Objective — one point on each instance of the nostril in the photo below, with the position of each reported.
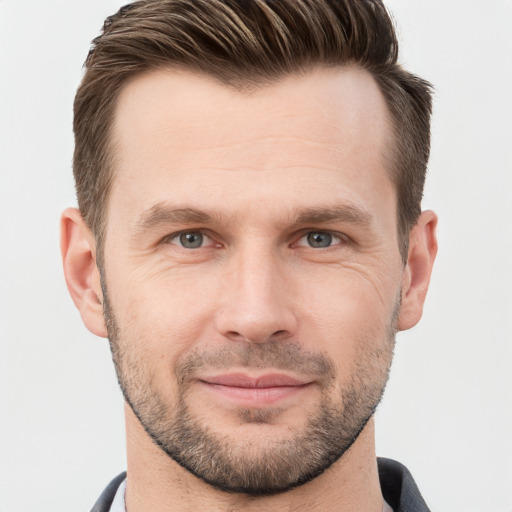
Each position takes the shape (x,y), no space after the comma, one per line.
(236,336)
(260,338)
(256,326)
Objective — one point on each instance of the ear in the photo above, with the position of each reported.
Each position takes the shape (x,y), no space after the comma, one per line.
(78,249)
(420,259)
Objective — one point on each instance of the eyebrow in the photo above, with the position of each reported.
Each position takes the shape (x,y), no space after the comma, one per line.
(347,214)
(165,214)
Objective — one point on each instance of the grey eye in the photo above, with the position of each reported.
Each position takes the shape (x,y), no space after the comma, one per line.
(191,240)
(319,239)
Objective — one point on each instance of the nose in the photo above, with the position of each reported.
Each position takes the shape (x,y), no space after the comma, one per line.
(256,303)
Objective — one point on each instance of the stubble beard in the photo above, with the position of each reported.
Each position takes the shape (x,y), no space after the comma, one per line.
(276,465)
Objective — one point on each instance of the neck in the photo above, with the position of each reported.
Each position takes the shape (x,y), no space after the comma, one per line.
(158,484)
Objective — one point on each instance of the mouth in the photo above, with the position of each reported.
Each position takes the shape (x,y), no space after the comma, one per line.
(260,391)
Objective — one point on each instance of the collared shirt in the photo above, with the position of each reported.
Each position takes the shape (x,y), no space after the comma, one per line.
(398,488)
(118,505)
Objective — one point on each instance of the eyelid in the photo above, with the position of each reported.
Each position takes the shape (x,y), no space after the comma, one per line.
(342,237)
(168,239)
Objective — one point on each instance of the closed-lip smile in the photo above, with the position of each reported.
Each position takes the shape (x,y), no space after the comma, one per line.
(255,391)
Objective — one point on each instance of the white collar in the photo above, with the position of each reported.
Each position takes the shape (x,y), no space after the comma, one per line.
(118,505)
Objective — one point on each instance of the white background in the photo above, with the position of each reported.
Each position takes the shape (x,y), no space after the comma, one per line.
(447,413)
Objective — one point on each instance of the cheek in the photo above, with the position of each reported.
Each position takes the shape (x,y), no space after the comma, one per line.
(345,314)
(168,311)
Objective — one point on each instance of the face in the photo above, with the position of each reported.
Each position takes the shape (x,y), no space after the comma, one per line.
(252,273)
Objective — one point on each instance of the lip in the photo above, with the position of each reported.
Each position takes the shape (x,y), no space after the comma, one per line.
(255,391)
(241,380)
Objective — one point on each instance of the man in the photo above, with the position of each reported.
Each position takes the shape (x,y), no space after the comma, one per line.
(250,239)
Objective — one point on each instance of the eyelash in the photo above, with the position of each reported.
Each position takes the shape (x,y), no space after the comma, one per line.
(342,238)
(169,238)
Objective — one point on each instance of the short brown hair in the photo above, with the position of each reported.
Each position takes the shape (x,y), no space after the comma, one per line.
(247,44)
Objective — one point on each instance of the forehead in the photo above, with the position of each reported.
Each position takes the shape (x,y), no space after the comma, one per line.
(178,133)
(189,107)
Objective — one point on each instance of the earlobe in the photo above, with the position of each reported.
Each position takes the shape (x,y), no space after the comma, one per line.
(78,249)
(421,256)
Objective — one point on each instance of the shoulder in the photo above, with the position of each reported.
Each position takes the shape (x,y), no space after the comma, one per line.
(399,488)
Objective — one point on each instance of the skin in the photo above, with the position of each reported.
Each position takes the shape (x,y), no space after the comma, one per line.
(256,164)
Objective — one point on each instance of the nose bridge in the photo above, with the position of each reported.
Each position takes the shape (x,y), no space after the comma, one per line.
(257,306)
(257,271)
